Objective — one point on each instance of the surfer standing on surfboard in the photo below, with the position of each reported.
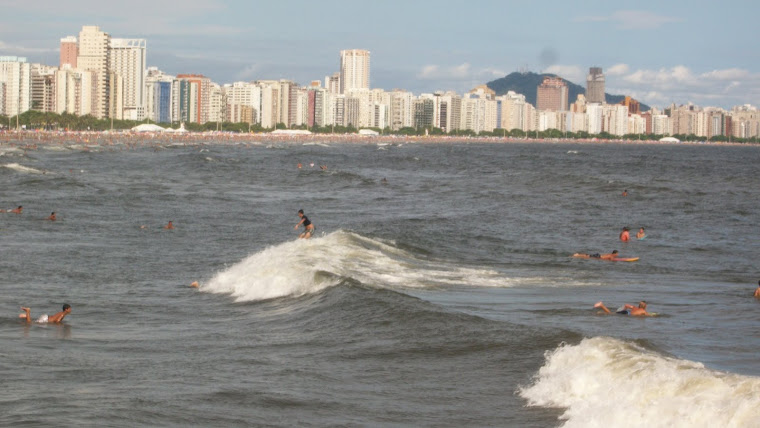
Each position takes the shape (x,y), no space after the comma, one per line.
(307,225)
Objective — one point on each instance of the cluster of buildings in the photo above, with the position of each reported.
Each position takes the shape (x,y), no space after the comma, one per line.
(108,77)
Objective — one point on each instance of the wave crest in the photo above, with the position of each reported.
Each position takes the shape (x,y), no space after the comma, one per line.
(308,266)
(21,168)
(603,382)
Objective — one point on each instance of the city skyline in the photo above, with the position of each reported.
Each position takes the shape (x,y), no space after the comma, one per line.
(671,54)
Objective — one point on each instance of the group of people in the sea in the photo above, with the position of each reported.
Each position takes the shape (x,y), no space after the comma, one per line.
(308,232)
(20,209)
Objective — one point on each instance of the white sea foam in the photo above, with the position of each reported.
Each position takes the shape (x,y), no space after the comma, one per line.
(21,168)
(605,382)
(306,266)
(11,151)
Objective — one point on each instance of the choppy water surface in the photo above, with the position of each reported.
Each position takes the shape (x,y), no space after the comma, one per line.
(443,295)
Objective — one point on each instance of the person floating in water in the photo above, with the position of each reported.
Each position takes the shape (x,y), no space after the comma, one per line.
(169,226)
(307,225)
(52,216)
(609,256)
(641,234)
(625,235)
(57,318)
(637,311)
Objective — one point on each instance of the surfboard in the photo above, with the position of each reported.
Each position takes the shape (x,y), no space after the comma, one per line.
(625,259)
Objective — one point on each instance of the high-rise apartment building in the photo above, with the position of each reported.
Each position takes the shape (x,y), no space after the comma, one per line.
(15,75)
(354,70)
(127,58)
(73,91)
(43,87)
(243,102)
(93,56)
(160,97)
(332,83)
(194,98)
(552,94)
(595,86)
(69,52)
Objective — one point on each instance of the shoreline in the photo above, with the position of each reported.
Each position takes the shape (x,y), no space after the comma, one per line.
(107,138)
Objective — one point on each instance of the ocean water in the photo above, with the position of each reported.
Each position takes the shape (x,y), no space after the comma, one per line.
(444,295)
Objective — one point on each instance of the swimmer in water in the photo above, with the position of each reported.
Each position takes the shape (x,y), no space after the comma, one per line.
(169,226)
(307,225)
(757,292)
(625,192)
(625,235)
(17,210)
(57,318)
(52,216)
(641,234)
(637,311)
(609,256)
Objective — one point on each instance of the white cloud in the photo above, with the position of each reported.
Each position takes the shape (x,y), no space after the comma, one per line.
(494,72)
(680,84)
(459,73)
(462,70)
(632,19)
(727,74)
(435,72)
(23,50)
(428,72)
(572,73)
(617,70)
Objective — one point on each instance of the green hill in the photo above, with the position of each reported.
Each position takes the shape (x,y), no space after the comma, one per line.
(527,83)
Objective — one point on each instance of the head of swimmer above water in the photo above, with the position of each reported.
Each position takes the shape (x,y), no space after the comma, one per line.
(642,304)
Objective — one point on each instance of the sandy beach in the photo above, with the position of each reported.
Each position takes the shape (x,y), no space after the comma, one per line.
(90,139)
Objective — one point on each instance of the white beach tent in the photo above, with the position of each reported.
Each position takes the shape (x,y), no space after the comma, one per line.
(148,127)
(180,130)
(291,132)
(669,140)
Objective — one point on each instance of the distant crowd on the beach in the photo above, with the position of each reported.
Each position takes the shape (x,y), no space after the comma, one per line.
(105,138)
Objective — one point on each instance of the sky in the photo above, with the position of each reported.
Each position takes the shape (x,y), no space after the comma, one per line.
(703,52)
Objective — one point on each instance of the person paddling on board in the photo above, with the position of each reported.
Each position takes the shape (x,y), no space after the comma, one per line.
(57,318)
(609,256)
(14,211)
(637,311)
(307,225)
